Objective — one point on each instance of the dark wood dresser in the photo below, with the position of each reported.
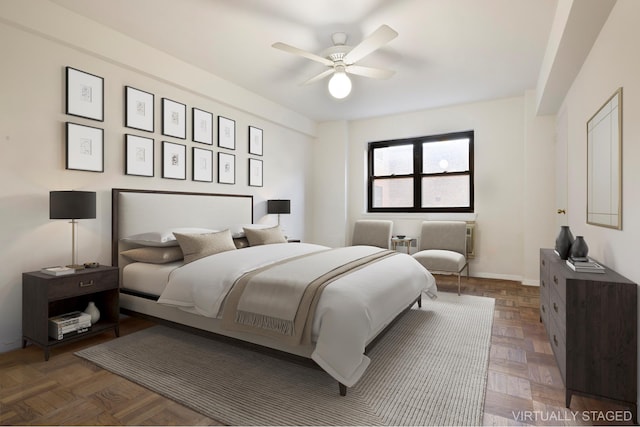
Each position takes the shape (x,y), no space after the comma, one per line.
(591,321)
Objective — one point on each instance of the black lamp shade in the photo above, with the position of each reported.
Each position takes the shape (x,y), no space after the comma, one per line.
(72,204)
(278,206)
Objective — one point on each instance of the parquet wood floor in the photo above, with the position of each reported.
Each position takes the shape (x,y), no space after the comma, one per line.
(523,386)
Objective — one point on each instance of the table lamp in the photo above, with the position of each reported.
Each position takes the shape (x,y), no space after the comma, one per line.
(278,207)
(72,205)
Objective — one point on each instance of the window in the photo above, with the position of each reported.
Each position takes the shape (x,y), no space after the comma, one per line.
(425,174)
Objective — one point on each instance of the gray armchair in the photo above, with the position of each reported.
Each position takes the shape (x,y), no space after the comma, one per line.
(443,247)
(372,232)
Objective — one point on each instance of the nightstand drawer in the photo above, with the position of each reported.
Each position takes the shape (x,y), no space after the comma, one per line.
(81,284)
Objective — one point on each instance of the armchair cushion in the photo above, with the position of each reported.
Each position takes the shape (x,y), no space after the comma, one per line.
(441,260)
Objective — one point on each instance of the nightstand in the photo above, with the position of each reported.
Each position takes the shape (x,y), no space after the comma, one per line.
(405,241)
(45,296)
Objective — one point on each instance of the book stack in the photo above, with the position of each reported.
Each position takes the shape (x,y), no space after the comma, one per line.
(584,265)
(58,270)
(68,324)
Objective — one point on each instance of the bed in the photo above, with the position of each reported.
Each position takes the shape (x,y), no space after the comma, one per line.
(358,292)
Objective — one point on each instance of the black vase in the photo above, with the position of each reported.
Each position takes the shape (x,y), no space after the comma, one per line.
(579,248)
(564,241)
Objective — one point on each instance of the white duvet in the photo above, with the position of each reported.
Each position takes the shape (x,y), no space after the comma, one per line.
(350,312)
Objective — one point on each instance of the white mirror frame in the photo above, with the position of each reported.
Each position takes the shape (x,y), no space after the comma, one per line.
(604,164)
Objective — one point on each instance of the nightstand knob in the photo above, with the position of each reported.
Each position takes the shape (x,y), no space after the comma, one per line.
(84,285)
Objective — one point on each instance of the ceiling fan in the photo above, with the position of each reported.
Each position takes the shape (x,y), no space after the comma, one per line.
(341,59)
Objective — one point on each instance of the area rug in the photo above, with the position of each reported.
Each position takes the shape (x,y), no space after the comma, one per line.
(429,369)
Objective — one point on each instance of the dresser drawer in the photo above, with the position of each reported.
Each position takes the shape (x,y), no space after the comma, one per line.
(81,284)
(558,281)
(558,313)
(559,347)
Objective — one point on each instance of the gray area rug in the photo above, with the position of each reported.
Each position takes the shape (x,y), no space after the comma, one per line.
(429,369)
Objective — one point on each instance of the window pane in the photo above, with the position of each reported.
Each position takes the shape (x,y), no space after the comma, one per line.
(445,191)
(391,193)
(395,160)
(445,156)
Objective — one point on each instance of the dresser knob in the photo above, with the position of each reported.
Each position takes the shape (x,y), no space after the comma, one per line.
(544,310)
(555,340)
(544,285)
(555,280)
(555,307)
(543,263)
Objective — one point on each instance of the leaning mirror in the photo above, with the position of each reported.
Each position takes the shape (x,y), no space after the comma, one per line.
(604,164)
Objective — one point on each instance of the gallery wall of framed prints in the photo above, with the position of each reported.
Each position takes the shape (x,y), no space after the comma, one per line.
(85,143)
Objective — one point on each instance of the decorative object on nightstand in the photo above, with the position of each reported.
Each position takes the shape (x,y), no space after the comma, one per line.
(280,206)
(93,311)
(564,241)
(579,248)
(72,205)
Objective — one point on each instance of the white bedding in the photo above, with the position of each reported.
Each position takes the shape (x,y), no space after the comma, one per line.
(351,311)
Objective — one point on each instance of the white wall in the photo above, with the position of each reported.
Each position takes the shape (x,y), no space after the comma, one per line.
(500,178)
(39,40)
(613,62)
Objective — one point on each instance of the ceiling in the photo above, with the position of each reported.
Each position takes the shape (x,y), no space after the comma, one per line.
(447,52)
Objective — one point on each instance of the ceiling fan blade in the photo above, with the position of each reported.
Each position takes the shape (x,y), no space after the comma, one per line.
(377,39)
(304,53)
(320,76)
(374,73)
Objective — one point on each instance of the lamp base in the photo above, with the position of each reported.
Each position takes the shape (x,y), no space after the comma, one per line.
(76,266)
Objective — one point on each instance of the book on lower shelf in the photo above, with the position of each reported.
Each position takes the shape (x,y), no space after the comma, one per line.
(589,266)
(58,270)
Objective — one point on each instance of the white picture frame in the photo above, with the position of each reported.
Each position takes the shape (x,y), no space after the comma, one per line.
(139,155)
(202,165)
(202,126)
(226,168)
(174,160)
(84,148)
(139,109)
(255,141)
(255,173)
(84,95)
(174,119)
(226,133)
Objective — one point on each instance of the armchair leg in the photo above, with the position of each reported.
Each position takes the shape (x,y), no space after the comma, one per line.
(458,283)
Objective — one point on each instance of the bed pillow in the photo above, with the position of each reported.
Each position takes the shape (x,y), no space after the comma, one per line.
(165,237)
(264,236)
(154,255)
(237,231)
(196,246)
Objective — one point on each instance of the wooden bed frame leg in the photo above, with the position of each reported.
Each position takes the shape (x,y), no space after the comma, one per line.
(343,389)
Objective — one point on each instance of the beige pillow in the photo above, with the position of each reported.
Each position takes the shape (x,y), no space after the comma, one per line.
(196,246)
(154,255)
(264,236)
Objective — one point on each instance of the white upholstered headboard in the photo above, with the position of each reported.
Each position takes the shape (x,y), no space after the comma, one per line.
(141,211)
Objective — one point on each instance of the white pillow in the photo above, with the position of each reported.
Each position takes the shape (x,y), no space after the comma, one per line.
(164,238)
(237,230)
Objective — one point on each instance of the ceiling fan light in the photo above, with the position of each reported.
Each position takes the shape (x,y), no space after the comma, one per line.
(339,85)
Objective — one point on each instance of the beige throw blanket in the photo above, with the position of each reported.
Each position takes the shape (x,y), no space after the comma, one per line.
(279,300)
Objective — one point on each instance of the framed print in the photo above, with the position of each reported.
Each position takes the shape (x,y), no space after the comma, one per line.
(226,133)
(202,122)
(138,109)
(139,155)
(85,95)
(255,173)
(174,116)
(255,141)
(174,160)
(226,168)
(202,165)
(85,148)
